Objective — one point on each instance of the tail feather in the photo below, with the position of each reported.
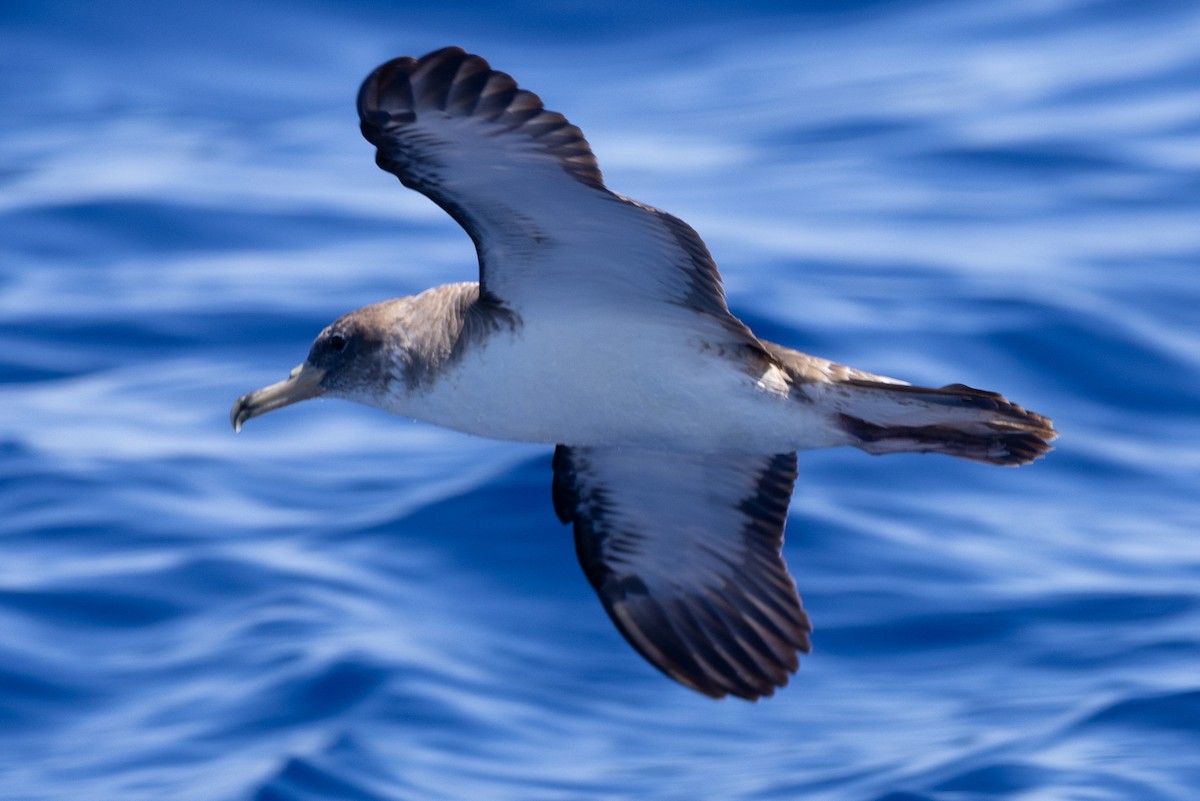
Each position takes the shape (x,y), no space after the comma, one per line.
(956,420)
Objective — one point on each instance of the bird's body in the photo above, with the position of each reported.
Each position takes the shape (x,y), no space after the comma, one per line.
(600,325)
(602,379)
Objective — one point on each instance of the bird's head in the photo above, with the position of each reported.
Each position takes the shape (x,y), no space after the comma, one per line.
(355,358)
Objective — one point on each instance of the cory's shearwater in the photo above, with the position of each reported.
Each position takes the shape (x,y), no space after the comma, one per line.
(599,324)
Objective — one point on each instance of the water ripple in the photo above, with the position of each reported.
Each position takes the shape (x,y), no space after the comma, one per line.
(339,605)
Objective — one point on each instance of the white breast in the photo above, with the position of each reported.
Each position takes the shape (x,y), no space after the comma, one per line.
(616,381)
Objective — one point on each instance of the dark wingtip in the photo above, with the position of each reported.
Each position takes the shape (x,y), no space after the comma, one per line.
(386,96)
(456,83)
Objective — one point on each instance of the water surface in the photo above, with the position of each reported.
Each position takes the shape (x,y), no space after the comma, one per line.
(341,605)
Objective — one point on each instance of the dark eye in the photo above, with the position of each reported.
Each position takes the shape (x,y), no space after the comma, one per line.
(337,342)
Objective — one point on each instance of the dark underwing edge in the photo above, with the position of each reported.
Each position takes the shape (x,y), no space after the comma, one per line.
(742,641)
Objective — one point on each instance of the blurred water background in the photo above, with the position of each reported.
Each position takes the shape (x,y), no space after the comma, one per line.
(341,605)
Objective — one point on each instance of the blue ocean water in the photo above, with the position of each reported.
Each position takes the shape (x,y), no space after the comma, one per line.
(336,604)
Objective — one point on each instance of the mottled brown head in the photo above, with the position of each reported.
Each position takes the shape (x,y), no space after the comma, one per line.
(382,354)
(356,357)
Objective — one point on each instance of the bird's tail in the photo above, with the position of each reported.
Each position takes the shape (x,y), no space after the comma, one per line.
(956,420)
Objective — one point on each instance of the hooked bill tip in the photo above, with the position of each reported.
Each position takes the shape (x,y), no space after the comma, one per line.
(304,382)
(239,414)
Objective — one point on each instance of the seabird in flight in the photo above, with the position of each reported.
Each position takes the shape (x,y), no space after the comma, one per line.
(599,325)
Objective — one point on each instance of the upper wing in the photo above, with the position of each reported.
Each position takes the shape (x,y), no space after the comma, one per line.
(524,184)
(684,552)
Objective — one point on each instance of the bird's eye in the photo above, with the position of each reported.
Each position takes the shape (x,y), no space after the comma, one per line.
(337,342)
